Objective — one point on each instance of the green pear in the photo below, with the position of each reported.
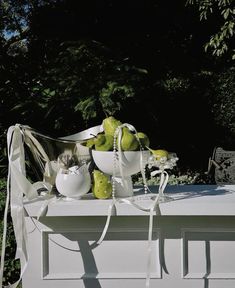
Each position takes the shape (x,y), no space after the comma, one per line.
(101,186)
(99,139)
(103,142)
(159,153)
(144,139)
(90,143)
(110,124)
(129,141)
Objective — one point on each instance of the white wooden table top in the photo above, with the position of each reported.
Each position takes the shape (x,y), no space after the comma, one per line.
(187,200)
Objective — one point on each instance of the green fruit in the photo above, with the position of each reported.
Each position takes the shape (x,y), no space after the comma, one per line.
(103,142)
(129,141)
(90,143)
(144,139)
(101,187)
(110,124)
(159,153)
(99,139)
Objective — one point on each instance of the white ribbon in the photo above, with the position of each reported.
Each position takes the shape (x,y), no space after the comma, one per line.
(151,210)
(4,234)
(163,182)
(18,186)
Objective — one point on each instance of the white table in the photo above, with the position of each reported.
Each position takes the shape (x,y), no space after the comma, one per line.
(193,242)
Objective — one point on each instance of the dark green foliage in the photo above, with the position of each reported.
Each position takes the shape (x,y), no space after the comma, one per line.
(3,153)
(84,81)
(71,63)
(221,41)
(12,267)
(222,99)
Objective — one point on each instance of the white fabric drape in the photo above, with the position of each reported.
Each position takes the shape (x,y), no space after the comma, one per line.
(18,186)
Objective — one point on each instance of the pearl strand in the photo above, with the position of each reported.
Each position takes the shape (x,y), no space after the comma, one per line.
(143,168)
(114,161)
(115,158)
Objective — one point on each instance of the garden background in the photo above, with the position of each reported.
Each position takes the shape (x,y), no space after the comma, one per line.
(166,67)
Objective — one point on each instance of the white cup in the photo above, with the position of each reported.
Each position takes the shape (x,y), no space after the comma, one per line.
(73,185)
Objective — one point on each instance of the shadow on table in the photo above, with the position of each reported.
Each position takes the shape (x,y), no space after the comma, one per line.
(180,192)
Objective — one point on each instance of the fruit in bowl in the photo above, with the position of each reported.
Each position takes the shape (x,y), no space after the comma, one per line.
(110,124)
(121,166)
(130,140)
(127,161)
(103,142)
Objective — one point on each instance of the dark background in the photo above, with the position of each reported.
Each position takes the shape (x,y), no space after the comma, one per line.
(179,88)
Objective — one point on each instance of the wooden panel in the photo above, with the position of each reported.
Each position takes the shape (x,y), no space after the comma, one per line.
(74,255)
(208,253)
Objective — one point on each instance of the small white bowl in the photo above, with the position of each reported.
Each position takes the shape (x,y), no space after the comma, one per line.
(131,164)
(73,185)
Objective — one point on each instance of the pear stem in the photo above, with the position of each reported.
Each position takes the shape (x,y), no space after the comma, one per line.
(149,149)
(93,135)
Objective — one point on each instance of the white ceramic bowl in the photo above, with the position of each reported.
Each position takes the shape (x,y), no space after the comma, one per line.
(104,160)
(73,185)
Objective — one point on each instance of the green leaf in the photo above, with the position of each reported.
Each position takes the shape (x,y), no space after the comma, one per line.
(87,107)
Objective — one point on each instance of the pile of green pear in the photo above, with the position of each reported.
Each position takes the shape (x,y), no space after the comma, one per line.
(129,142)
(101,182)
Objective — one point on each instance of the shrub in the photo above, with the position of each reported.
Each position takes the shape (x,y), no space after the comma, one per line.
(222,102)
(12,266)
(177,177)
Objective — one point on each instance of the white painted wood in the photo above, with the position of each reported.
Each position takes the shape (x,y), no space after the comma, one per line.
(193,242)
(109,262)
(188,200)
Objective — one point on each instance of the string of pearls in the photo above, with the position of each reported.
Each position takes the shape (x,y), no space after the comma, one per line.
(115,158)
(117,145)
